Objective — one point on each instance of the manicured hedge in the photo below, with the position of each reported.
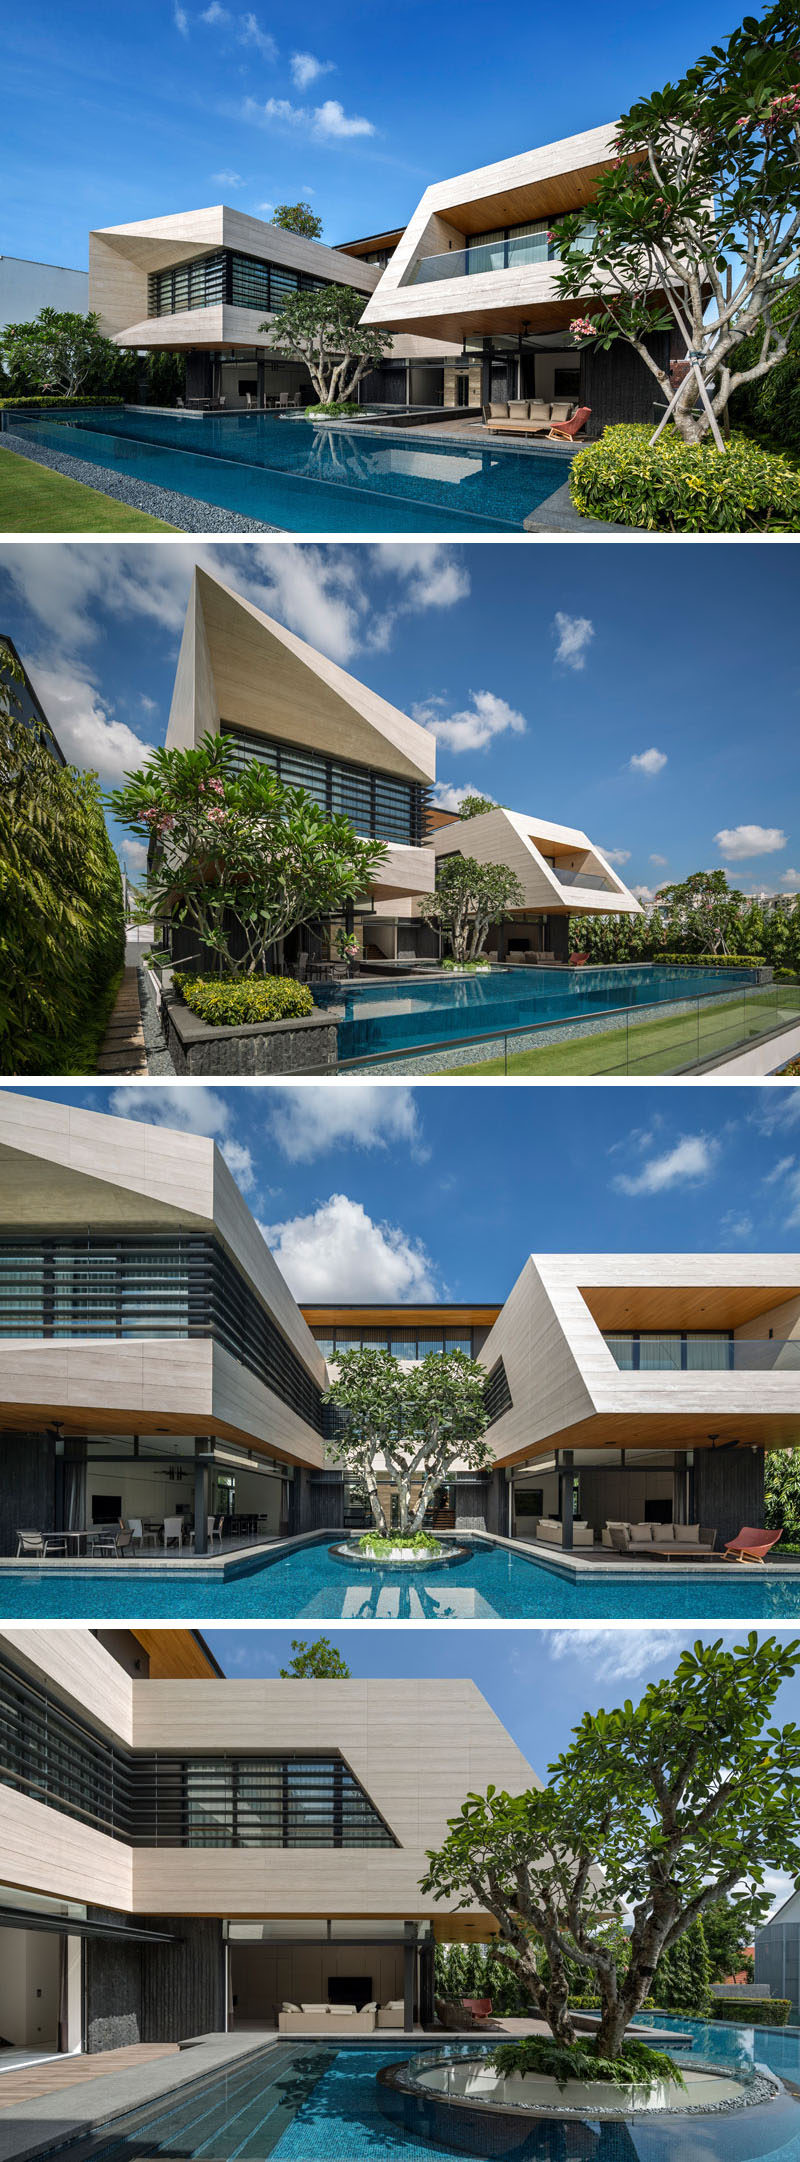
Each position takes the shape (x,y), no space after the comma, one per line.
(714,960)
(228,1002)
(9,404)
(675,487)
(753,2011)
(62,928)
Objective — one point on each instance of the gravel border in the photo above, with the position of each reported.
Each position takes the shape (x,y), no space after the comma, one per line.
(158,1058)
(183,511)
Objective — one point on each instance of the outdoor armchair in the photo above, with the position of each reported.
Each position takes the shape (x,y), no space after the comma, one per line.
(30,1543)
(564,430)
(751,1544)
(173,1531)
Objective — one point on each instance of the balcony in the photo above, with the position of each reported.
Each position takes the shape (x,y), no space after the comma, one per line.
(486,256)
(591,879)
(705,1354)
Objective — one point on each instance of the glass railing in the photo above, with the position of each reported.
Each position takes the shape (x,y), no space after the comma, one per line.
(582,878)
(707,1354)
(489,255)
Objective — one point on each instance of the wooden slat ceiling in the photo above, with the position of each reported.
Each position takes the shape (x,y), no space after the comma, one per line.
(682,1430)
(78,1420)
(176,1655)
(379,1317)
(551,196)
(692,1307)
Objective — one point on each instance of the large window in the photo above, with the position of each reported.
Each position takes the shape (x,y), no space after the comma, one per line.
(409,1343)
(293,1799)
(242,281)
(379,805)
(151,1284)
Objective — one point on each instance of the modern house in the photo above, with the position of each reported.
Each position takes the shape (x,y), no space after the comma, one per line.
(26,706)
(476,266)
(202,282)
(154,1363)
(183,1854)
(318,728)
(562,874)
(777,1957)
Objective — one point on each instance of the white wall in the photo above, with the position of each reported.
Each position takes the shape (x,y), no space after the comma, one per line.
(29,1970)
(25,288)
(146,1489)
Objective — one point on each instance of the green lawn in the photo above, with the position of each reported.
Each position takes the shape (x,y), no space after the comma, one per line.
(660,1046)
(33,499)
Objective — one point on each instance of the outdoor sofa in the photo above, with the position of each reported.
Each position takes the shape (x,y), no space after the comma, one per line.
(327,2019)
(533,416)
(550,1531)
(671,1542)
(391,2014)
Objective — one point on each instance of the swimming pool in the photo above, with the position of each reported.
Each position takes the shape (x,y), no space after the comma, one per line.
(389,1017)
(493,1584)
(317,2103)
(288,473)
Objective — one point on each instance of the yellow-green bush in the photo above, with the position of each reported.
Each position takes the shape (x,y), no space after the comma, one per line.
(675,487)
(228,1002)
(713,960)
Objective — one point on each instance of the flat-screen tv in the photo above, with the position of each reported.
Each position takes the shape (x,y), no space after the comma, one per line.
(106,1508)
(351,1989)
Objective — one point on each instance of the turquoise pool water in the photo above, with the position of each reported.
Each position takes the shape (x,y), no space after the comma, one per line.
(384,1017)
(288,473)
(493,1584)
(729,2045)
(309,2103)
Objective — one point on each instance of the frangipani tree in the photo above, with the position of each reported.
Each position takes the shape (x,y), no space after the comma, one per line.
(697,226)
(658,1810)
(417,1423)
(469,897)
(231,844)
(325,331)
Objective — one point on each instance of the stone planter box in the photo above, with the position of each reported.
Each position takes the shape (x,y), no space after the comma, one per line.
(258,1047)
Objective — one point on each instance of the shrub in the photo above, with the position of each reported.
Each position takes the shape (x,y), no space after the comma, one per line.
(9,404)
(334,406)
(751,2011)
(675,487)
(714,960)
(62,943)
(376,1542)
(466,968)
(770,408)
(636,2066)
(228,1002)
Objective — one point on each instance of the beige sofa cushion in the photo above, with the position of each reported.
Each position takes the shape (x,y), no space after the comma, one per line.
(686,1534)
(537,410)
(641,1532)
(497,409)
(518,408)
(562,409)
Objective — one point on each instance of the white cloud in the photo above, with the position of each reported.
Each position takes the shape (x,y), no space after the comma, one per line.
(688,1163)
(307,1122)
(660,862)
(328,122)
(736,1224)
(190,1111)
(617,855)
(228,180)
(779,1171)
(739,842)
(473,727)
(429,573)
(86,730)
(134,854)
(148,705)
(181,20)
(624,1655)
(574,636)
(305,69)
(447,797)
(215,14)
(790,878)
(251,33)
(338,1245)
(644,894)
(647,762)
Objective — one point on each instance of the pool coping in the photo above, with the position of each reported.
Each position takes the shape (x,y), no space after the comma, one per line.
(45,2114)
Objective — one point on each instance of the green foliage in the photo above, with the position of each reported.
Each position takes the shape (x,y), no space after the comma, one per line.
(714,960)
(662,1809)
(315,1660)
(420,1421)
(676,487)
(384,1545)
(682,1980)
(297,218)
(469,897)
(782,1493)
(166,377)
(770,408)
(325,331)
(635,2066)
(58,354)
(53,403)
(239,848)
(232,1002)
(62,941)
(337,407)
(754,2011)
(700,921)
(701,208)
(726,1943)
(465,968)
(474,806)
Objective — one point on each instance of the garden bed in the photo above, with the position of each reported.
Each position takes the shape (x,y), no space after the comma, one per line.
(306,1043)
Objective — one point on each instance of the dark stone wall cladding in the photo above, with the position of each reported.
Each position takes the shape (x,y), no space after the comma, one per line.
(728,1490)
(277,1049)
(27,1486)
(157,1992)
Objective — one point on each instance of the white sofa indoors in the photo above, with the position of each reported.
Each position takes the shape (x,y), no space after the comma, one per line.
(641,1539)
(551,1532)
(327,2019)
(391,2014)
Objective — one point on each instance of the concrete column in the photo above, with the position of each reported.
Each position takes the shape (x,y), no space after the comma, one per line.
(203,1449)
(566,1475)
(409,1974)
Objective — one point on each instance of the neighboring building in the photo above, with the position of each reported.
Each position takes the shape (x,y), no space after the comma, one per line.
(25,705)
(476,265)
(561,871)
(202,282)
(183,1853)
(777,1954)
(26,288)
(280,701)
(156,1364)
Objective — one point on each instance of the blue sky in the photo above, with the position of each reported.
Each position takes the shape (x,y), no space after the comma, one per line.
(113,113)
(381,1191)
(629,691)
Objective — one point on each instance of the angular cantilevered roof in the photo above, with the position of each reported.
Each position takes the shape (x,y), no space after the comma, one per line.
(238,665)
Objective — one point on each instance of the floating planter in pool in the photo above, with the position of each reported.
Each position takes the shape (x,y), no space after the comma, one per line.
(465,2104)
(398,1557)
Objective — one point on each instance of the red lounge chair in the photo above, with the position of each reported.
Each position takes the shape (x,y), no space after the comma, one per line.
(575,426)
(752,1544)
(480,2007)
(578,960)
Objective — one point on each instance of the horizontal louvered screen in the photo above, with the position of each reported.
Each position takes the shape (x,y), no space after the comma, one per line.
(241,281)
(380,805)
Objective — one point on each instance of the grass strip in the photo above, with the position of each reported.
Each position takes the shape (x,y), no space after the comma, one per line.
(35,499)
